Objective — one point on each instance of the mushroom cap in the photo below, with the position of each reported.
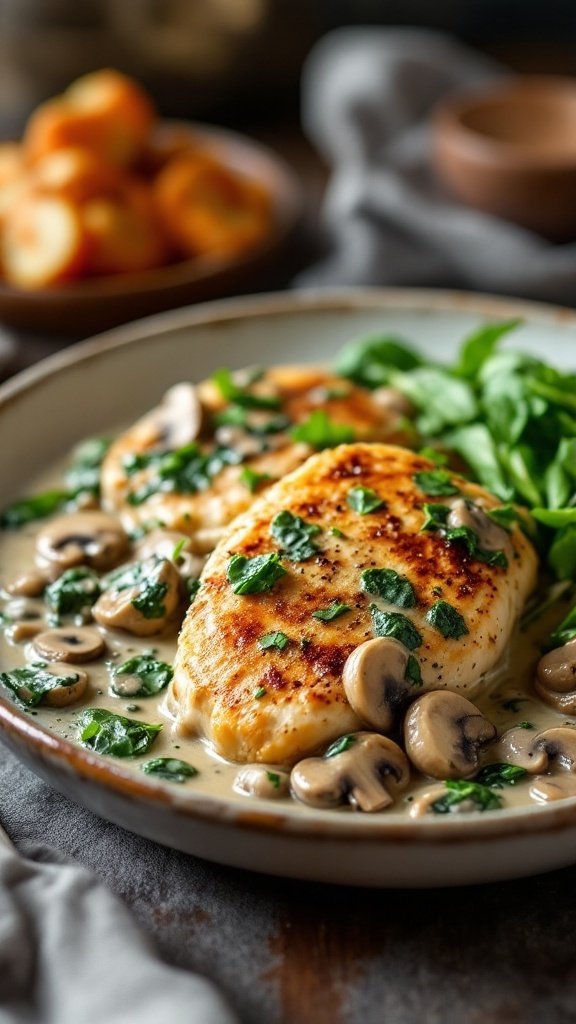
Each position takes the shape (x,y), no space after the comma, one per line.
(70,644)
(444,734)
(81,538)
(267,783)
(61,696)
(115,608)
(176,421)
(374,681)
(162,543)
(555,679)
(550,749)
(368,775)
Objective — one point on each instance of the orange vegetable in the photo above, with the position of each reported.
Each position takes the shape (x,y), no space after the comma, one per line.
(43,242)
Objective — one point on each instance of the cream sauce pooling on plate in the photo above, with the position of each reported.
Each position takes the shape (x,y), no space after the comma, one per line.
(509,699)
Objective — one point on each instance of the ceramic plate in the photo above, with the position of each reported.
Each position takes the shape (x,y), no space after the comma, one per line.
(119,375)
(95,304)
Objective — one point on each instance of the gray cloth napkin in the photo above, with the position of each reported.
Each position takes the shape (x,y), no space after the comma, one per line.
(367,97)
(71,954)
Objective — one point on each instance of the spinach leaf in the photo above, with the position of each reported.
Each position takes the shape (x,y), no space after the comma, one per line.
(477,447)
(555,517)
(447,620)
(499,775)
(144,578)
(436,482)
(83,475)
(170,769)
(231,392)
(185,470)
(395,625)
(369,360)
(459,790)
(340,745)
(36,507)
(436,521)
(107,733)
(31,684)
(364,500)
(564,632)
(294,535)
(562,553)
(151,674)
(252,480)
(441,399)
(276,639)
(74,592)
(254,575)
(413,673)
(390,586)
(319,431)
(333,611)
(479,346)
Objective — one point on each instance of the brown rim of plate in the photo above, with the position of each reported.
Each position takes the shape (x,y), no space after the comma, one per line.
(62,754)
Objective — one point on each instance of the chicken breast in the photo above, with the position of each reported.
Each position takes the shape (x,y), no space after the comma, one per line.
(232,441)
(275,700)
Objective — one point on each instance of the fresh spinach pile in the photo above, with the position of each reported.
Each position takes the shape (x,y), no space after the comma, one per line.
(509,415)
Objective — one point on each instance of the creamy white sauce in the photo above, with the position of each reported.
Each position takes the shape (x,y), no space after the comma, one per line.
(511,682)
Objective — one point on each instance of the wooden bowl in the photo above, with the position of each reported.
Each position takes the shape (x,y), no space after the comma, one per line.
(511,151)
(98,303)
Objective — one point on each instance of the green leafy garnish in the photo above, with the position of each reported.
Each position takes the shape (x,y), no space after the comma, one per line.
(178,549)
(260,692)
(31,684)
(28,509)
(333,611)
(275,639)
(74,592)
(336,532)
(447,620)
(499,775)
(319,431)
(152,674)
(436,520)
(395,625)
(390,586)
(253,480)
(504,515)
(294,535)
(144,578)
(413,673)
(370,361)
(564,632)
(83,475)
(170,769)
(438,458)
(185,470)
(459,790)
(436,482)
(526,725)
(364,500)
(232,392)
(192,584)
(340,745)
(479,346)
(107,733)
(254,575)
(274,778)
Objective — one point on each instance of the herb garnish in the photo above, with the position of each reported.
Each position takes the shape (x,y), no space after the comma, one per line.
(171,769)
(274,778)
(74,592)
(364,500)
(413,672)
(371,361)
(499,775)
(336,532)
(107,733)
(252,480)
(276,639)
(436,521)
(154,675)
(460,790)
(144,578)
(232,392)
(333,611)
(447,620)
(319,431)
(28,509)
(435,482)
(32,683)
(254,575)
(294,535)
(390,586)
(83,475)
(395,625)
(185,470)
(260,692)
(340,745)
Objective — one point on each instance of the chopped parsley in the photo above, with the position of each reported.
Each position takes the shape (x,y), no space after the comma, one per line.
(364,500)
(254,575)
(526,725)
(294,535)
(185,470)
(83,475)
(144,578)
(192,584)
(232,392)
(413,673)
(504,515)
(436,520)
(336,532)
(31,684)
(319,431)
(252,480)
(340,745)
(260,692)
(274,778)
(333,611)
(390,586)
(447,620)
(170,769)
(153,675)
(459,790)
(435,482)
(499,775)
(276,639)
(178,549)
(107,733)
(28,509)
(74,592)
(395,625)
(438,458)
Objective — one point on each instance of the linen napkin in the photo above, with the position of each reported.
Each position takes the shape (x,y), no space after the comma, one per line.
(367,98)
(71,954)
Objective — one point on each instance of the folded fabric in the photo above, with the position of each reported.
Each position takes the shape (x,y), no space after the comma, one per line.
(71,954)
(367,97)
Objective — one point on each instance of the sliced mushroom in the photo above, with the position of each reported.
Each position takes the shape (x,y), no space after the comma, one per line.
(544,789)
(29,583)
(204,541)
(368,775)
(552,749)
(267,783)
(423,804)
(82,538)
(26,619)
(247,445)
(61,696)
(118,608)
(163,543)
(444,735)
(73,643)
(177,420)
(555,679)
(491,537)
(375,684)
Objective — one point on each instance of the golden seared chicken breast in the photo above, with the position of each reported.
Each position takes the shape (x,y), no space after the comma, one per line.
(362,541)
(199,459)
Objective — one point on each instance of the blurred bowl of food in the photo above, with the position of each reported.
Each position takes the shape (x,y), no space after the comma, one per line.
(510,150)
(108,214)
